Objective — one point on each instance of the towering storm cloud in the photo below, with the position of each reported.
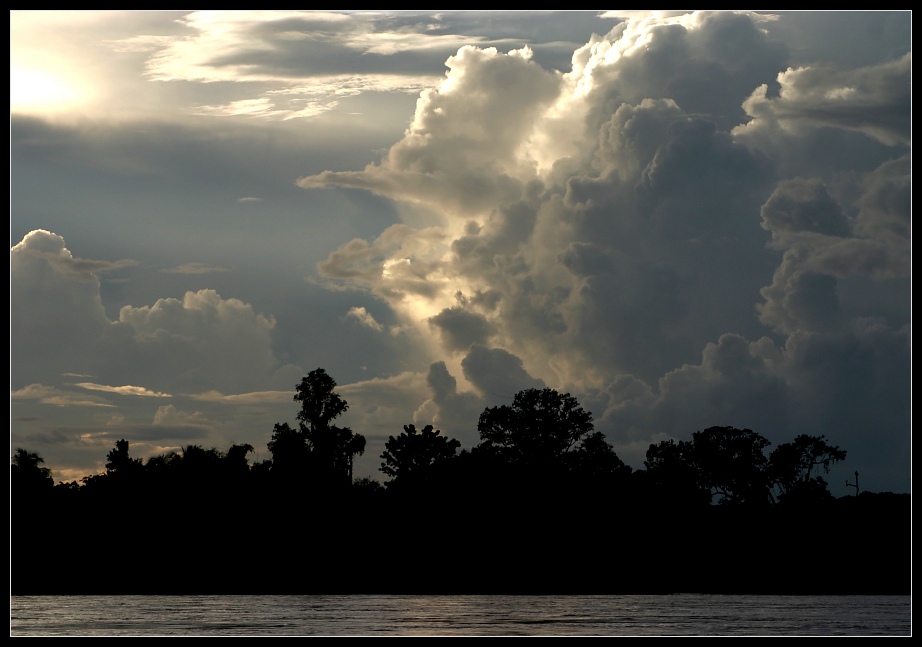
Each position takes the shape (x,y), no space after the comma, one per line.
(680,227)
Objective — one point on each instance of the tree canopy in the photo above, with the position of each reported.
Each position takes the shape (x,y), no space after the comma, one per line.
(537,429)
(412,458)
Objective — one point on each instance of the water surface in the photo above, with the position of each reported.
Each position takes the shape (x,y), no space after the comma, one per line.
(407,615)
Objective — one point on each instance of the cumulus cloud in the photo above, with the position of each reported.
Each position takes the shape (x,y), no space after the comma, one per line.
(202,335)
(196,344)
(497,372)
(873,100)
(460,328)
(475,123)
(637,229)
(453,412)
(169,416)
(55,309)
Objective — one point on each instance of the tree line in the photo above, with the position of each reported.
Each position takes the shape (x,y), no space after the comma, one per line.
(543,440)
(540,479)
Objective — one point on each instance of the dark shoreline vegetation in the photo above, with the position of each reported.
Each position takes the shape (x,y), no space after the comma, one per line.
(542,505)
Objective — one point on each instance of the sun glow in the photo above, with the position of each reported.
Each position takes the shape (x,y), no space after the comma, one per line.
(38,91)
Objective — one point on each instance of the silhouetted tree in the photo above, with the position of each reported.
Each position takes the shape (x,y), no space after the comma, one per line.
(119,462)
(323,452)
(544,447)
(27,474)
(121,466)
(289,450)
(732,463)
(672,475)
(320,404)
(596,463)
(791,468)
(727,463)
(202,469)
(237,456)
(412,458)
(538,428)
(368,485)
(333,449)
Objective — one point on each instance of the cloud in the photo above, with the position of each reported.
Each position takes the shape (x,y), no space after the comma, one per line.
(57,397)
(497,372)
(364,317)
(822,245)
(460,328)
(300,59)
(259,397)
(175,345)
(639,231)
(400,266)
(56,314)
(463,150)
(219,45)
(123,390)
(169,416)
(194,268)
(453,412)
(874,100)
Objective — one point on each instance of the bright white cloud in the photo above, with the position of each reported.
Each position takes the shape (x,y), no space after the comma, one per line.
(464,150)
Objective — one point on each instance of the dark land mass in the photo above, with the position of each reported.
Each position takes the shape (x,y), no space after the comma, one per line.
(542,505)
(174,546)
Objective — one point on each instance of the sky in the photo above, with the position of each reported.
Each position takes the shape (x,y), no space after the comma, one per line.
(684,220)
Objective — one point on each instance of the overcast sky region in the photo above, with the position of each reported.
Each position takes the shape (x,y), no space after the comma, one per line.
(684,220)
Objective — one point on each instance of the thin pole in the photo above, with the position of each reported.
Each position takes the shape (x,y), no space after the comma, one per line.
(855,484)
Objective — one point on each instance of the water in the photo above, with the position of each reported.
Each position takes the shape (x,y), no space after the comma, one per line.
(472,615)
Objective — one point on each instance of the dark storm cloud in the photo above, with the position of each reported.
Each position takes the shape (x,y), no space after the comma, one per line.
(804,205)
(497,372)
(460,328)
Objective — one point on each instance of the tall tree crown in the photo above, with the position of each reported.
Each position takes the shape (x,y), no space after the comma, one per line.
(319,403)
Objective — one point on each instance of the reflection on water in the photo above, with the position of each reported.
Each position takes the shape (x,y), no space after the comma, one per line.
(393,615)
